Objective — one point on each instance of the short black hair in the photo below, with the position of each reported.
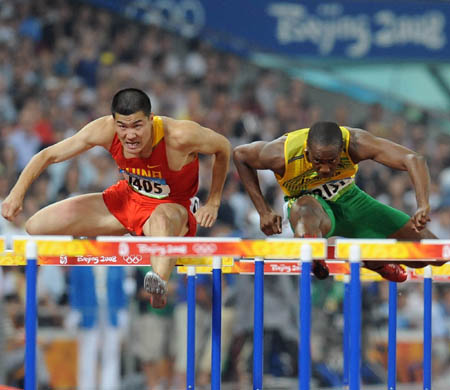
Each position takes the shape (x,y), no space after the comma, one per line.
(325,134)
(129,101)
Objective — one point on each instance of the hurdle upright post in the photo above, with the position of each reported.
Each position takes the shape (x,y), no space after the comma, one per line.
(305,318)
(216,323)
(30,315)
(190,369)
(258,324)
(427,302)
(355,318)
(346,331)
(392,337)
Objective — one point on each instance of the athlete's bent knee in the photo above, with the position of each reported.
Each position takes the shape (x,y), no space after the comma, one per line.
(161,223)
(303,210)
(167,220)
(32,226)
(308,218)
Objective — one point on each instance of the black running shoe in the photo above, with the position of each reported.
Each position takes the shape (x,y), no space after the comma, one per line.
(320,269)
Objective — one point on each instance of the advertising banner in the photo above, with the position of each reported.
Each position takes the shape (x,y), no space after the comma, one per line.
(347,29)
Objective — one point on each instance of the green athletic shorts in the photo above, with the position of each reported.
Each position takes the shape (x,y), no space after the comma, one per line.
(356,214)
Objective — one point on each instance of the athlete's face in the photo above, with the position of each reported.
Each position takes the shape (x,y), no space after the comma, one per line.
(134,132)
(324,159)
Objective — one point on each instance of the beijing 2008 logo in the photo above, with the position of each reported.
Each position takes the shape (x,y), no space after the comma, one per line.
(124,249)
(63,260)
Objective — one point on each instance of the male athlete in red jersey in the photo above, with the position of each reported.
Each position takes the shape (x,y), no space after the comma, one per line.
(158,157)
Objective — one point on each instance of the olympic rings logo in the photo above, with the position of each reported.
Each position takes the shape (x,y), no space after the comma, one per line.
(132,259)
(185,16)
(205,248)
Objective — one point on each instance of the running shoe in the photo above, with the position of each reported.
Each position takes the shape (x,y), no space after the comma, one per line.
(320,269)
(157,288)
(392,272)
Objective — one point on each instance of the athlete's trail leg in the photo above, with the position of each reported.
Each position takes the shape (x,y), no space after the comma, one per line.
(84,215)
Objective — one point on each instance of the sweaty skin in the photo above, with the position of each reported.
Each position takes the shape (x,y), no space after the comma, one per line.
(87,215)
(325,159)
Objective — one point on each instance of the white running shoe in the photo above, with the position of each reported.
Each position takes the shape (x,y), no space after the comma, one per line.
(157,288)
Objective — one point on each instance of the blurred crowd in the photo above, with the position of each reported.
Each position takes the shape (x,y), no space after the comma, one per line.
(61,62)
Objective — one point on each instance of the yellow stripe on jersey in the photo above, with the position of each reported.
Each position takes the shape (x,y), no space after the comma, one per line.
(299,175)
(158,130)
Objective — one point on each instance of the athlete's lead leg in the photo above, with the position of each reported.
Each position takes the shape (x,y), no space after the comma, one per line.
(309,219)
(168,220)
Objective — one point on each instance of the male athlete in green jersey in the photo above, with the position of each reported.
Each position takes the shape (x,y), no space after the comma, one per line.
(315,167)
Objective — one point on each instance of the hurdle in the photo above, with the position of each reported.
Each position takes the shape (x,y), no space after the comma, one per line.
(393,250)
(64,250)
(427,250)
(259,249)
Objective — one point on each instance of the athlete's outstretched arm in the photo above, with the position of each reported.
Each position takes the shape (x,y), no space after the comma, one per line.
(199,139)
(91,135)
(365,146)
(248,159)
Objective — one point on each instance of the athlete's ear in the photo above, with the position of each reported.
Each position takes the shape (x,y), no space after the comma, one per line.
(307,155)
(151,116)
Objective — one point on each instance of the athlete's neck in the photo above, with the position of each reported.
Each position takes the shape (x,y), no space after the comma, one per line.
(147,150)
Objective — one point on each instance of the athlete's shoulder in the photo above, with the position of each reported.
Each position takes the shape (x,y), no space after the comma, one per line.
(174,128)
(278,142)
(356,135)
(99,132)
(181,132)
(354,131)
(176,124)
(361,143)
(105,122)
(297,132)
(272,153)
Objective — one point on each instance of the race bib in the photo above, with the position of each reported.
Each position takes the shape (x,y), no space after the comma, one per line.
(148,186)
(331,190)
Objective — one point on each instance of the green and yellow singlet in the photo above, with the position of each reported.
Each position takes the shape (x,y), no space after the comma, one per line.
(299,176)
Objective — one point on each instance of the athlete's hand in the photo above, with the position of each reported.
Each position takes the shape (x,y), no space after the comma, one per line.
(420,218)
(206,215)
(270,223)
(11,206)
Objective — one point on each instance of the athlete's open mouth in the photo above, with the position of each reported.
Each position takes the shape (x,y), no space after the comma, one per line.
(132,145)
